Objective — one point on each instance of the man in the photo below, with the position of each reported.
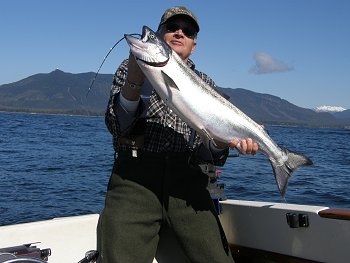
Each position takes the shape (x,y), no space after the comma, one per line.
(156,178)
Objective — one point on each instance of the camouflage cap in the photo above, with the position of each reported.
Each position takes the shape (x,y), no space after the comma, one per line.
(178,10)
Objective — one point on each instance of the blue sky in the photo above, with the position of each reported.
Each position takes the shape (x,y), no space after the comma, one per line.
(298,50)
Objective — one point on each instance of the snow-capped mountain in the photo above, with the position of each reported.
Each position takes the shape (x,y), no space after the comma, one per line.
(329,109)
(339,113)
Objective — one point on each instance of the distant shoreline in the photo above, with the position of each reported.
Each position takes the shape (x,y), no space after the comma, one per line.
(281,124)
(52,113)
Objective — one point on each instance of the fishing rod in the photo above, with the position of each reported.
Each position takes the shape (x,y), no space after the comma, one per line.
(103,61)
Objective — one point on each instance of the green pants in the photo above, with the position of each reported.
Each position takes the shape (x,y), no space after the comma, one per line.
(148,192)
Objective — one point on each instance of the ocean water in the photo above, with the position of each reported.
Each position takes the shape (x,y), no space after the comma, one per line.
(55,165)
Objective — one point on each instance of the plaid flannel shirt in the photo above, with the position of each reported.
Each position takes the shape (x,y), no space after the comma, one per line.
(164,131)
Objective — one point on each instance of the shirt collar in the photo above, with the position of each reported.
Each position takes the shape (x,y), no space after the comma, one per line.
(191,64)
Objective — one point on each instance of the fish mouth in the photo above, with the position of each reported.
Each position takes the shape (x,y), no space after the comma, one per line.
(138,48)
(154,64)
(149,48)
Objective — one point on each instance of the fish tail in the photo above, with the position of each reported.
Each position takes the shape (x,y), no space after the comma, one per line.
(284,171)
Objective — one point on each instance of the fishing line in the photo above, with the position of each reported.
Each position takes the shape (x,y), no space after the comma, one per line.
(104,59)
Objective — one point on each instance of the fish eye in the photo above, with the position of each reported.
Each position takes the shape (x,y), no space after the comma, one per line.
(152,36)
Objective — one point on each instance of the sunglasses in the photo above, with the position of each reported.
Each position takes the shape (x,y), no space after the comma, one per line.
(189,32)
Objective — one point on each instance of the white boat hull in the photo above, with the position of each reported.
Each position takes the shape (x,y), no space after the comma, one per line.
(258,228)
(263,227)
(68,237)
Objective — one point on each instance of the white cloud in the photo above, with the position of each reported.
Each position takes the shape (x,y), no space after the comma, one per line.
(264,64)
(330,109)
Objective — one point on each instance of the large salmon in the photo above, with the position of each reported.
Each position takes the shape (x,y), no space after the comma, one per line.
(202,108)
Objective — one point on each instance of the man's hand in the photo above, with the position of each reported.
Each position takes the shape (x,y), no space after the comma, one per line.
(245,146)
(135,74)
(135,77)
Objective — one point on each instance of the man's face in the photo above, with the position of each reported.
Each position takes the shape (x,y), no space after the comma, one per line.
(180,35)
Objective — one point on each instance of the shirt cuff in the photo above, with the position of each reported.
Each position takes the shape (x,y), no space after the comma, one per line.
(128,105)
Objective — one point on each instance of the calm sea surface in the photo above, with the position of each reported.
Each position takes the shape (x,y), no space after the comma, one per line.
(54,165)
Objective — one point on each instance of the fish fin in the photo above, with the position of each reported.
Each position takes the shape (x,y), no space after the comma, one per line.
(284,171)
(207,135)
(169,81)
(207,138)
